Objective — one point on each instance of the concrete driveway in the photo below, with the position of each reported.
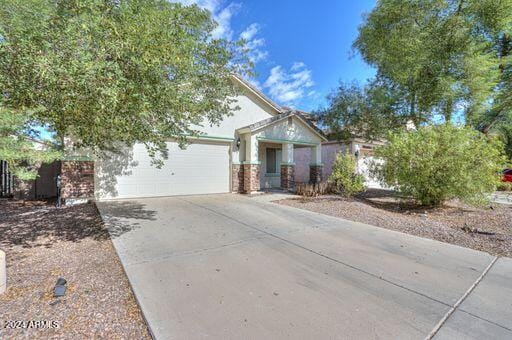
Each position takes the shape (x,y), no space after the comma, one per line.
(236,267)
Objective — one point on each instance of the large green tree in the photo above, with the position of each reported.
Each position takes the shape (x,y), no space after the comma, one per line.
(368,111)
(105,71)
(443,53)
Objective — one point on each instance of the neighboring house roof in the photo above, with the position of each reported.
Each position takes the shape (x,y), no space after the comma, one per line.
(282,116)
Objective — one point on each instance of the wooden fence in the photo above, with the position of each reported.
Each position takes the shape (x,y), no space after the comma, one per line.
(6,180)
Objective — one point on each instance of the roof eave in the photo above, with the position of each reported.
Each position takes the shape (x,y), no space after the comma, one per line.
(282,117)
(258,93)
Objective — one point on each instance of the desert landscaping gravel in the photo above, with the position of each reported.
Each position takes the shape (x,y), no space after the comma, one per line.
(487,229)
(43,243)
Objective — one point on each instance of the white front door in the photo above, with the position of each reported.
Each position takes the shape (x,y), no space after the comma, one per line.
(201,168)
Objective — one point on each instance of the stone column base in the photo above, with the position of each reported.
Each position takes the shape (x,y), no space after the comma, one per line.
(77,181)
(287,176)
(251,178)
(237,178)
(315,173)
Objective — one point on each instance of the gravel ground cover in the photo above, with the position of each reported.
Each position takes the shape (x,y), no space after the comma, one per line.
(43,243)
(487,229)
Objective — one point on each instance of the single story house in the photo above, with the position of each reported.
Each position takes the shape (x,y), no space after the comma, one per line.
(250,150)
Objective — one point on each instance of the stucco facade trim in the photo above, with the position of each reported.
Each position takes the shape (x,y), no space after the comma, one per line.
(211,137)
(278,140)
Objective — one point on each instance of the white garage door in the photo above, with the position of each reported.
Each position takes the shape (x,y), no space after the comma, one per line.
(199,169)
(363,166)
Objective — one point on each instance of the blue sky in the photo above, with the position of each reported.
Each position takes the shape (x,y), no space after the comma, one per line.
(302,49)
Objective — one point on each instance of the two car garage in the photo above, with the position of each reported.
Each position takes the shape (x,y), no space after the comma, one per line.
(202,168)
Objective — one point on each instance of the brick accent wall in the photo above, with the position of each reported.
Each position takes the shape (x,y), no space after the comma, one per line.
(287,176)
(251,178)
(77,179)
(237,177)
(315,173)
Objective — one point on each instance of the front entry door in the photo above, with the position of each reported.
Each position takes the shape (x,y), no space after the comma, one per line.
(271,169)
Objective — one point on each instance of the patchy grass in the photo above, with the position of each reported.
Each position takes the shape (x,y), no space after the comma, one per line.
(488,229)
(43,243)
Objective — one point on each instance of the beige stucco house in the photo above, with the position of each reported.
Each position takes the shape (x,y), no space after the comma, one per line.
(250,150)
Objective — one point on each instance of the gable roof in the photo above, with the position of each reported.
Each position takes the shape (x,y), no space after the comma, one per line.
(282,112)
(253,89)
(290,113)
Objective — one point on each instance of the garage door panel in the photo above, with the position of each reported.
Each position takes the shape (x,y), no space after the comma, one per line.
(199,169)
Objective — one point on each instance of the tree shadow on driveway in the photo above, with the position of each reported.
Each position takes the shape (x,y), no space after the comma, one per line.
(41,224)
(121,217)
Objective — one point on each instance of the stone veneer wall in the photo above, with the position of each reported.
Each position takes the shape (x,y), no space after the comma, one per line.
(251,178)
(287,176)
(315,173)
(77,179)
(302,160)
(237,177)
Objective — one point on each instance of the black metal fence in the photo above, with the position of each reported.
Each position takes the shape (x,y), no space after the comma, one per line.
(6,180)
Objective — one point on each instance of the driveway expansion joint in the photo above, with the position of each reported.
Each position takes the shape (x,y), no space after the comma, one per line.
(461,300)
(379,277)
(484,319)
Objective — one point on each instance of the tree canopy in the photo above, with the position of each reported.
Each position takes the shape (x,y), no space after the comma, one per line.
(444,53)
(435,60)
(368,111)
(106,71)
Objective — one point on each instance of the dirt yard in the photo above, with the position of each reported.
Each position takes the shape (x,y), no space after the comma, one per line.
(43,243)
(487,229)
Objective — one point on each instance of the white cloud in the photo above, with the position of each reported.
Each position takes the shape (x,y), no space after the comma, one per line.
(289,87)
(297,65)
(222,13)
(250,31)
(254,44)
(223,18)
(254,82)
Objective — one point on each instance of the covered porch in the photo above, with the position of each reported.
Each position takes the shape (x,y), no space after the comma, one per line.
(264,158)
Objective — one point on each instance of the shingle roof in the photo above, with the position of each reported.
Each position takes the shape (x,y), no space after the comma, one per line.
(305,114)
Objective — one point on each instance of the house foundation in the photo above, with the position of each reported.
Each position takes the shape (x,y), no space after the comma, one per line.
(287,176)
(251,178)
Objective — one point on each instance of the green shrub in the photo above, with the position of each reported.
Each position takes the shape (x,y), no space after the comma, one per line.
(344,178)
(505,186)
(438,163)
